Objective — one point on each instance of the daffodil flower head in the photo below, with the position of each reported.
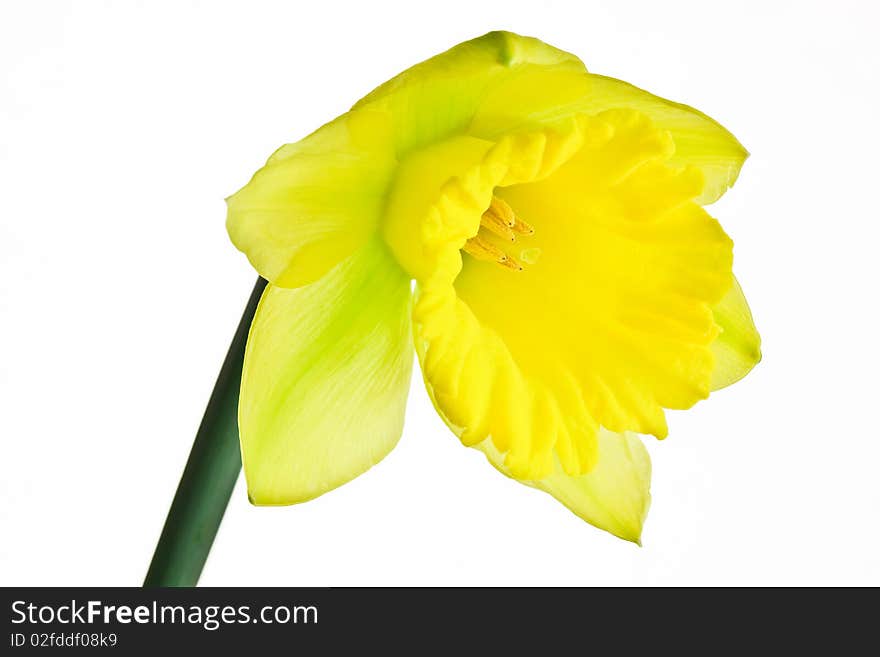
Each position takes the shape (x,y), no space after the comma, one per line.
(569,284)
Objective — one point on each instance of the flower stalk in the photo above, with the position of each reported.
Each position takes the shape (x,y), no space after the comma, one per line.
(209,476)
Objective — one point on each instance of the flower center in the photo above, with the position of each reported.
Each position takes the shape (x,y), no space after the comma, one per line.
(498,221)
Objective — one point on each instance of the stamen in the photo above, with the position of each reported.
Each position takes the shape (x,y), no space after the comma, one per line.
(503,211)
(497,225)
(483,250)
(522,228)
(499,220)
(511,263)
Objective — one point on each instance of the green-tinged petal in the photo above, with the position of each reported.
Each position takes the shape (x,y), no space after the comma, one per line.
(614,496)
(700,141)
(482,87)
(502,83)
(737,349)
(316,201)
(325,380)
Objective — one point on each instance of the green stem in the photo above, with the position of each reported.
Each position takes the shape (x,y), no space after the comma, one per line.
(209,476)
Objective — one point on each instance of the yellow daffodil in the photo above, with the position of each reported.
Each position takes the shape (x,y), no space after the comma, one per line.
(569,285)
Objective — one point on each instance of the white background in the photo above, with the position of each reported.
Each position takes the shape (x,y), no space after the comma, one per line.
(124,125)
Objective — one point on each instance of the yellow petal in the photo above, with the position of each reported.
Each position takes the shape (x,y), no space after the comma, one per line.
(502,83)
(325,380)
(737,348)
(608,326)
(700,141)
(440,193)
(615,495)
(450,93)
(316,201)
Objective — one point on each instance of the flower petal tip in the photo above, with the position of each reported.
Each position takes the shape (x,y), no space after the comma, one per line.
(505,45)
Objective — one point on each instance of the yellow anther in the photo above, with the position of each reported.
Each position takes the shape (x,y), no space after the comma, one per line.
(483,250)
(512,263)
(497,225)
(522,228)
(499,220)
(503,211)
